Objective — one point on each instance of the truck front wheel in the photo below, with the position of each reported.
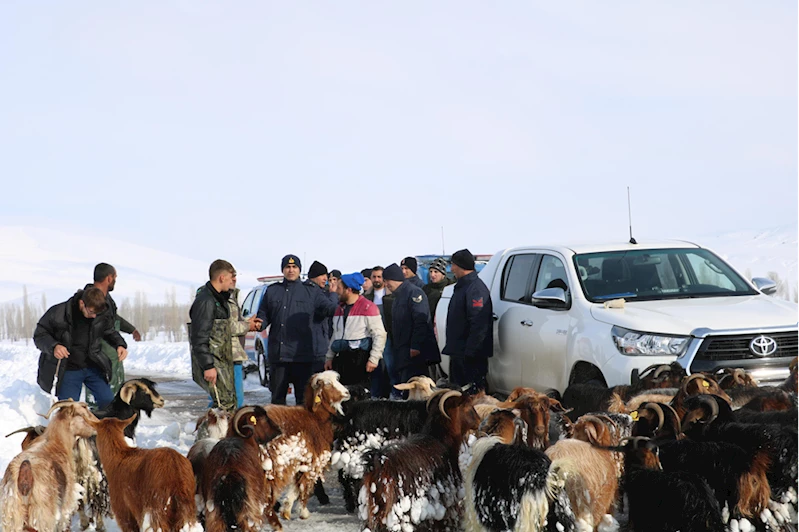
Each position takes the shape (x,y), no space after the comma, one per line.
(585,373)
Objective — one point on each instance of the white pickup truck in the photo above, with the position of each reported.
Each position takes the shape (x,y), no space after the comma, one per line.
(603,313)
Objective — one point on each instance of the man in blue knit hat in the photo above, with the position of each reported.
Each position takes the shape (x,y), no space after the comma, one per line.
(289,307)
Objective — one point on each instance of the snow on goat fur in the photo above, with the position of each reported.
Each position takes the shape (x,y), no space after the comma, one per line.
(39,488)
(300,456)
(515,487)
(417,483)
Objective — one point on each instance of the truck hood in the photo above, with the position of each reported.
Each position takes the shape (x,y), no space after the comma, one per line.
(682,316)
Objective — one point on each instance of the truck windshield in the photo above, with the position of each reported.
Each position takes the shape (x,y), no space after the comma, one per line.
(650,274)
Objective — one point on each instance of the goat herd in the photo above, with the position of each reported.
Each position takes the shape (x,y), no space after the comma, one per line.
(670,452)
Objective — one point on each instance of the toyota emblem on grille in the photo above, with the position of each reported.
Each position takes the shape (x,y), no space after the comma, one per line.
(763,346)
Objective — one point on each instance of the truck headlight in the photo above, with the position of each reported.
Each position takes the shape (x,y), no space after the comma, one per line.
(633,343)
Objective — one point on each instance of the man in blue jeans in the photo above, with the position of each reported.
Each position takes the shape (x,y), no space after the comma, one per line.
(68,336)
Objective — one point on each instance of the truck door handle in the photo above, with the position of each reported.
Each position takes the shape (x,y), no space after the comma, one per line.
(527,323)
(495,317)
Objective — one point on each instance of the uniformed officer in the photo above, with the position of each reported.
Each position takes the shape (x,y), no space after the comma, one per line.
(290,307)
(470,328)
(414,344)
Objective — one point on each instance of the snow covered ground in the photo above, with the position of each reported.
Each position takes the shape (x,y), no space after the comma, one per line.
(21,401)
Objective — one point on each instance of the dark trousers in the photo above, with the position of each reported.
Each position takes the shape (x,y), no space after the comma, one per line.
(417,368)
(381,384)
(73,380)
(468,370)
(281,374)
(351,367)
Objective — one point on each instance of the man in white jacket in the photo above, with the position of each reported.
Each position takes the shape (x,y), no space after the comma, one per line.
(358,338)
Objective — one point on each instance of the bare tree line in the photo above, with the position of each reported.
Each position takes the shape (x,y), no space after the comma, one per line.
(153,320)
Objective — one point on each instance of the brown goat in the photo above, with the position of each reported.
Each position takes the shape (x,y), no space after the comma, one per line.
(31,434)
(300,456)
(38,486)
(505,424)
(534,408)
(595,488)
(233,482)
(163,497)
(730,378)
(696,384)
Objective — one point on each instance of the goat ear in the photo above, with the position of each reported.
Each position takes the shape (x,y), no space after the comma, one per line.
(127,392)
(555,406)
(403,386)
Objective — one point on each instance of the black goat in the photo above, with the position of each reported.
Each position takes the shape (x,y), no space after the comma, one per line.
(585,398)
(135,396)
(369,425)
(665,501)
(710,418)
(509,483)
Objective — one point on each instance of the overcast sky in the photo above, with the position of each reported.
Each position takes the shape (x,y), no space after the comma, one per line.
(351,132)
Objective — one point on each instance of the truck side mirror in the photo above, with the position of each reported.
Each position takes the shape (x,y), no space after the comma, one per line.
(765,285)
(554,298)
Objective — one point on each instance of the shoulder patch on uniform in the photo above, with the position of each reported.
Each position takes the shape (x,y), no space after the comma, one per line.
(477,303)
(417,299)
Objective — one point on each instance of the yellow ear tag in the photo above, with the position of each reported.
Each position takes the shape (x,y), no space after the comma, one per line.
(705,384)
(253,420)
(317,399)
(634,415)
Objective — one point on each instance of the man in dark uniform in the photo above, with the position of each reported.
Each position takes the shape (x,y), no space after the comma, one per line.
(290,308)
(322,325)
(470,327)
(413,341)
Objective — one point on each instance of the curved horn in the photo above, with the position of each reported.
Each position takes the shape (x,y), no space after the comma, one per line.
(739,376)
(690,378)
(635,440)
(435,394)
(674,413)
(58,405)
(446,395)
(659,412)
(660,370)
(242,412)
(38,429)
(714,410)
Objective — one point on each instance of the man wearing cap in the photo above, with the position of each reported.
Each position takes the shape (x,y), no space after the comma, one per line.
(438,281)
(413,342)
(290,308)
(470,328)
(322,325)
(409,268)
(358,334)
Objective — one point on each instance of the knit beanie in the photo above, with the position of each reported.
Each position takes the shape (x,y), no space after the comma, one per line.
(464,259)
(353,281)
(290,259)
(410,263)
(440,265)
(317,269)
(335,273)
(367,273)
(393,273)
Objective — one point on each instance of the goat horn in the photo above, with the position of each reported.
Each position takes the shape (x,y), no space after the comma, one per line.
(690,379)
(659,412)
(446,395)
(58,405)
(242,412)
(660,370)
(674,412)
(739,376)
(38,429)
(435,394)
(414,379)
(714,409)
(635,440)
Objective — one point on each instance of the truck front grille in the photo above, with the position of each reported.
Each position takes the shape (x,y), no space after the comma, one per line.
(736,347)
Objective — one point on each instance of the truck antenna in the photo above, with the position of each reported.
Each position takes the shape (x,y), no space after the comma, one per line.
(443,249)
(630,216)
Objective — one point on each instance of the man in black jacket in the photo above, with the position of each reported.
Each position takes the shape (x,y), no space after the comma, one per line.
(322,325)
(210,336)
(69,336)
(413,341)
(470,327)
(290,307)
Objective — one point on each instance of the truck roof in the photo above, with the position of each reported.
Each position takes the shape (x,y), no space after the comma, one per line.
(569,249)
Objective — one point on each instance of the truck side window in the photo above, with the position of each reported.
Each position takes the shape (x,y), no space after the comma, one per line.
(246,307)
(516,278)
(551,274)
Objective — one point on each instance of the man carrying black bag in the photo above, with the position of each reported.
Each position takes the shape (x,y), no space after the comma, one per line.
(358,337)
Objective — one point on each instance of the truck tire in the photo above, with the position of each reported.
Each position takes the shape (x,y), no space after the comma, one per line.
(263,368)
(585,373)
